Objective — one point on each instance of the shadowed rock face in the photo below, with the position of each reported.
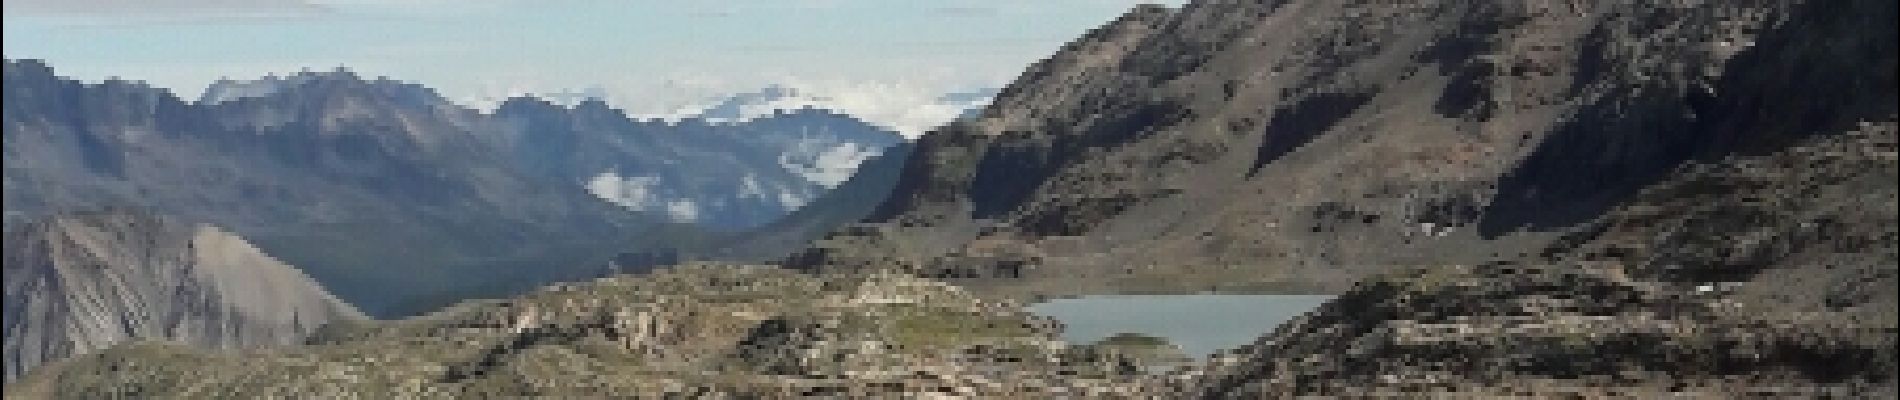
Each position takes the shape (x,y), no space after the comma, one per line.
(1305,144)
(83,282)
(1756,276)
(1771,272)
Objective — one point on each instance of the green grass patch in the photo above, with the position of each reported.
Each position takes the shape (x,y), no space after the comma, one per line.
(923,328)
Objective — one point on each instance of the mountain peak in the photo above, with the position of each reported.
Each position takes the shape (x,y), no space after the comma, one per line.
(27,66)
(898,107)
(340,80)
(525,105)
(596,107)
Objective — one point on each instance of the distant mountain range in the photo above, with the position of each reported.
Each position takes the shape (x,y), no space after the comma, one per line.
(393,196)
(903,108)
(722,176)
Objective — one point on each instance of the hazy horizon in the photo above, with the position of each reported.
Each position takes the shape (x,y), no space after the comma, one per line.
(646,57)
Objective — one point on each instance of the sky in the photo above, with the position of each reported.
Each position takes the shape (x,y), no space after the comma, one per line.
(646,56)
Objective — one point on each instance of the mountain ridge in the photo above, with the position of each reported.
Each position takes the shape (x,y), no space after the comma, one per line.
(394,196)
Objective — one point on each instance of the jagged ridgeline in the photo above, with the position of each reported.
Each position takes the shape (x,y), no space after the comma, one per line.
(400,201)
(1536,199)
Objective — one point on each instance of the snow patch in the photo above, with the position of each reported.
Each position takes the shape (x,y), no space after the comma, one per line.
(631,192)
(910,110)
(787,199)
(825,163)
(749,188)
(791,201)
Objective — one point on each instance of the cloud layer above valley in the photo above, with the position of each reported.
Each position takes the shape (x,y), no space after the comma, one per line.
(887,62)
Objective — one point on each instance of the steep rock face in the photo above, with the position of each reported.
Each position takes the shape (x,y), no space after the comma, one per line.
(1768,273)
(1304,144)
(687,332)
(83,282)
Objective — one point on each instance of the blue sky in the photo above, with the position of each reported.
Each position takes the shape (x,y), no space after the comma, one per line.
(648,55)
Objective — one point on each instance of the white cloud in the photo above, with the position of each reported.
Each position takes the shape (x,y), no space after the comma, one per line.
(642,193)
(825,163)
(430,8)
(164,8)
(634,192)
(682,210)
(148,12)
(909,106)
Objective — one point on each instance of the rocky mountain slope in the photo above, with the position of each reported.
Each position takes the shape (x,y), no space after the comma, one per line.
(80,283)
(1762,276)
(397,199)
(689,332)
(1301,145)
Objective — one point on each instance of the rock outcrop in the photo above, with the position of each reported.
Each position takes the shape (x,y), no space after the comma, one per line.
(1768,272)
(1760,276)
(83,282)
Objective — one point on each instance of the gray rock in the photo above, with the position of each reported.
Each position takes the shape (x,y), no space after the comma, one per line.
(1302,145)
(695,331)
(84,282)
(1758,276)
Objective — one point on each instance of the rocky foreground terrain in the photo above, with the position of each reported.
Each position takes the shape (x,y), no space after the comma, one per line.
(703,331)
(83,282)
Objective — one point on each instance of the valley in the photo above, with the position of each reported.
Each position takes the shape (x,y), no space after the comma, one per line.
(401,201)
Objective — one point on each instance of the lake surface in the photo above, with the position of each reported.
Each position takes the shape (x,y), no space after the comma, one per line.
(1199,323)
